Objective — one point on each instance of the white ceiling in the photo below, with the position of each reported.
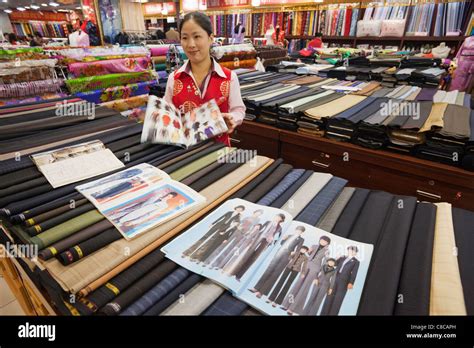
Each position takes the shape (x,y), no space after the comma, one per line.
(13,4)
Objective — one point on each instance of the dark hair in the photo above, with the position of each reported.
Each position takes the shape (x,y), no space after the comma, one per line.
(331,259)
(282,217)
(240,206)
(258,211)
(174,194)
(277,32)
(38,34)
(304,247)
(318,34)
(12,37)
(236,29)
(353,248)
(200,18)
(326,238)
(301,228)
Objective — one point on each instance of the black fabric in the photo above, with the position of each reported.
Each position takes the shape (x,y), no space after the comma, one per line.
(269,183)
(192,158)
(463,221)
(121,282)
(54,212)
(351,212)
(173,296)
(415,279)
(137,289)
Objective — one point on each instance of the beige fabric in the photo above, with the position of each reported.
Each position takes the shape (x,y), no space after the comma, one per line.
(132,15)
(334,107)
(435,118)
(447,296)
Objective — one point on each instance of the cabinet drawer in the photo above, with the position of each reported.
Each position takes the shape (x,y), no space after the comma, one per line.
(265,146)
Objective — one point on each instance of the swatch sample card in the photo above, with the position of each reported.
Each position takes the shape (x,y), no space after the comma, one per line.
(276,264)
(164,124)
(139,198)
(75,163)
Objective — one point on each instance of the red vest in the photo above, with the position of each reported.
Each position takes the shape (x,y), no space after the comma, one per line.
(186,94)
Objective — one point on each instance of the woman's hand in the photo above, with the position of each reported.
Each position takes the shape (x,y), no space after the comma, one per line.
(229,121)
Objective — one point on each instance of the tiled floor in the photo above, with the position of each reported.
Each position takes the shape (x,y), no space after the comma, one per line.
(8,303)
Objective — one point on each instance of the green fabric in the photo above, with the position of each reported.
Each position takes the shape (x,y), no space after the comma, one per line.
(90,83)
(160,67)
(199,164)
(66,228)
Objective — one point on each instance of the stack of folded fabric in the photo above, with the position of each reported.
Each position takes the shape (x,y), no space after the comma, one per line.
(27,75)
(158,56)
(271,55)
(235,56)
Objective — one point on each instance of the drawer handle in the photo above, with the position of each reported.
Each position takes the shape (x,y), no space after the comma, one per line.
(235,140)
(319,164)
(427,194)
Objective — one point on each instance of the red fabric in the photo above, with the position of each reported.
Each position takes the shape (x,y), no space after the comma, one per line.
(186,99)
(84,26)
(316,43)
(347,29)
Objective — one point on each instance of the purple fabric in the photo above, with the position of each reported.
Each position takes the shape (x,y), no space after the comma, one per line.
(159,51)
(464,73)
(112,66)
(426,94)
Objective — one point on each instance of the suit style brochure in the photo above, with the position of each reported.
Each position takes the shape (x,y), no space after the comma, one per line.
(276,264)
(139,198)
(164,124)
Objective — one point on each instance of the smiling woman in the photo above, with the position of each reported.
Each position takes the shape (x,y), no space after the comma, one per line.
(201,78)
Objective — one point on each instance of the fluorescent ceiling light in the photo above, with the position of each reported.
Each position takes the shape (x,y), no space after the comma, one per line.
(20,8)
(61,10)
(27,7)
(54,4)
(34,7)
(44,5)
(7,11)
(4,0)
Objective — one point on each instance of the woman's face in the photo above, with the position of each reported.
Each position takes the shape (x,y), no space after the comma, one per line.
(195,41)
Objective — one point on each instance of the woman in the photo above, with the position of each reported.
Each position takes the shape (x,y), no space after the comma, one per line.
(238,34)
(201,78)
(279,37)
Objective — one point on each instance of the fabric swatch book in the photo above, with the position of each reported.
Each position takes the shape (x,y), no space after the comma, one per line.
(165,124)
(139,198)
(75,163)
(278,265)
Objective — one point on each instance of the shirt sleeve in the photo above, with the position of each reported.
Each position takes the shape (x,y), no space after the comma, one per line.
(168,97)
(236,104)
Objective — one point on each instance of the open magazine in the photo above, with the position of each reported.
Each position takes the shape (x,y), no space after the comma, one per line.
(275,264)
(164,123)
(139,198)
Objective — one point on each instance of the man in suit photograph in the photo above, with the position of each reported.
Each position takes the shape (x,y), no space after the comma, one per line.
(290,243)
(298,265)
(296,298)
(213,244)
(347,267)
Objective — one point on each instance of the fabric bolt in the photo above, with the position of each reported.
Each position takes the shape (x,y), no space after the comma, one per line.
(417,123)
(140,287)
(463,221)
(426,94)
(349,215)
(285,196)
(305,194)
(446,297)
(84,275)
(381,289)
(118,92)
(126,104)
(65,229)
(201,173)
(87,247)
(22,187)
(435,118)
(111,66)
(90,83)
(185,153)
(330,217)
(76,238)
(226,304)
(171,297)
(415,279)
(25,74)
(189,159)
(456,121)
(277,175)
(55,212)
(122,281)
(356,108)
(315,209)
(281,187)
(197,300)
(23,89)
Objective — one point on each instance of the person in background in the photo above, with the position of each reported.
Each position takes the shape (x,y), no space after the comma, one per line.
(317,42)
(238,34)
(201,78)
(172,34)
(160,35)
(279,36)
(36,40)
(269,35)
(13,39)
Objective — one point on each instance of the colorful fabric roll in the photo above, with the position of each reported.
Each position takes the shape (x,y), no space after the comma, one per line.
(159,60)
(160,67)
(248,63)
(46,96)
(162,75)
(119,92)
(112,66)
(159,51)
(29,63)
(81,53)
(23,89)
(91,83)
(127,104)
(25,74)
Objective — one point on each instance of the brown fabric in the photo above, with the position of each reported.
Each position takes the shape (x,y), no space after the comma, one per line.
(307,80)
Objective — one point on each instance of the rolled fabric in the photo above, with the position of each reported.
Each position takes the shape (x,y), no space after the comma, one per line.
(160,67)
(29,63)
(159,60)
(81,53)
(111,66)
(84,84)
(127,104)
(238,64)
(159,51)
(119,92)
(29,100)
(23,89)
(162,75)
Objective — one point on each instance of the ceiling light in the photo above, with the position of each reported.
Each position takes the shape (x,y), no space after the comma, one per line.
(34,7)
(54,4)
(27,7)
(4,0)
(44,5)
(7,11)
(20,8)
(78,8)
(61,10)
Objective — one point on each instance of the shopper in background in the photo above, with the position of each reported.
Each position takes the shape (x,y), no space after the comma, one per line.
(160,35)
(269,35)
(201,78)
(172,34)
(238,34)
(13,39)
(279,36)
(317,42)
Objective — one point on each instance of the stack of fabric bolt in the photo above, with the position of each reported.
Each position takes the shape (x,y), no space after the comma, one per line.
(158,56)
(235,56)
(102,75)
(271,55)
(27,76)
(412,246)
